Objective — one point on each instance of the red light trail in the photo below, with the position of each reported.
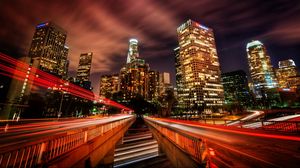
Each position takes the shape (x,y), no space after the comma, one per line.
(232,129)
(21,71)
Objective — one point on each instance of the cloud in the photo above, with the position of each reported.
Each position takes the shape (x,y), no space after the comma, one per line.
(284,33)
(104,27)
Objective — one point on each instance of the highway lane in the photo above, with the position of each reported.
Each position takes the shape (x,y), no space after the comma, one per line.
(30,132)
(259,124)
(239,148)
(252,116)
(35,127)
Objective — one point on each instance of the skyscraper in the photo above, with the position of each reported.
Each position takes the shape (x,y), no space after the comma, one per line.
(262,75)
(153,85)
(48,48)
(236,90)
(198,68)
(84,67)
(133,52)
(108,85)
(287,69)
(260,67)
(134,75)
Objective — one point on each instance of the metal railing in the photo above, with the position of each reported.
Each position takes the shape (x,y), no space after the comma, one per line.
(282,126)
(190,144)
(44,150)
(214,121)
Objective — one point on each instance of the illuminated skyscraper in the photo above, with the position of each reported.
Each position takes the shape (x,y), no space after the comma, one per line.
(287,69)
(262,75)
(108,85)
(153,85)
(134,75)
(84,67)
(133,52)
(261,69)
(197,68)
(48,48)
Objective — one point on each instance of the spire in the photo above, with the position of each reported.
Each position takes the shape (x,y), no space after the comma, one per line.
(133,52)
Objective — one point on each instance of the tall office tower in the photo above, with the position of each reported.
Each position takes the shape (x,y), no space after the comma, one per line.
(287,69)
(84,67)
(134,75)
(48,48)
(262,75)
(153,85)
(198,68)
(236,90)
(260,66)
(133,52)
(108,85)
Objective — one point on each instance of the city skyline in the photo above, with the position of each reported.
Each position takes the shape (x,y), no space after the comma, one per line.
(280,34)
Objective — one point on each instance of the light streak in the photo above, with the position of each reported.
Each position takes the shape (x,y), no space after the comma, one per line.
(242,131)
(16,69)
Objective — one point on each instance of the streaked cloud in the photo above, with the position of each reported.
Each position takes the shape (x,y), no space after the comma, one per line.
(104,27)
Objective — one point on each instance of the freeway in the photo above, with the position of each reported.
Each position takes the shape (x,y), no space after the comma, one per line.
(255,114)
(30,132)
(259,123)
(236,147)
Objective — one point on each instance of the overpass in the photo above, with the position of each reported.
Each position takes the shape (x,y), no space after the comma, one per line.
(224,146)
(91,143)
(78,142)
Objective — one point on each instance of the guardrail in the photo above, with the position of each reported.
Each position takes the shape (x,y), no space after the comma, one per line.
(280,126)
(44,150)
(214,121)
(188,143)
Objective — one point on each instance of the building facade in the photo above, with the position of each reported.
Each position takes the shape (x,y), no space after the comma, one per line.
(287,69)
(48,49)
(198,75)
(134,76)
(133,52)
(109,84)
(84,67)
(236,90)
(265,84)
(153,85)
(260,67)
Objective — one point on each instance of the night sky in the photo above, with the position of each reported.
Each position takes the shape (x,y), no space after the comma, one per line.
(105,26)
